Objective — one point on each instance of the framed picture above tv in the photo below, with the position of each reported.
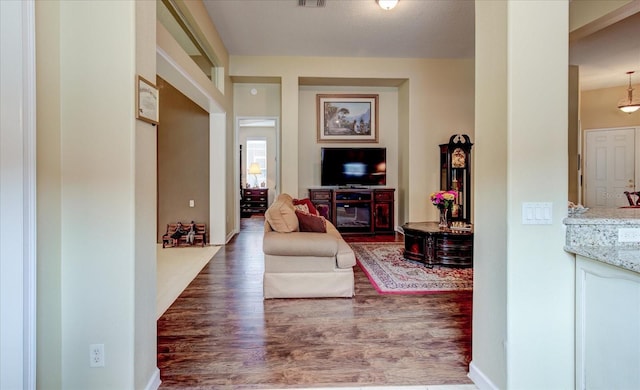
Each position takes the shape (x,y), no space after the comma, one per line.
(347,118)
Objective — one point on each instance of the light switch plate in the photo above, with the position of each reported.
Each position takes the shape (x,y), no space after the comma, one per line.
(537,213)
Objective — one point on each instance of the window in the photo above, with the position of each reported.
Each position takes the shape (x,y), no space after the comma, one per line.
(257,153)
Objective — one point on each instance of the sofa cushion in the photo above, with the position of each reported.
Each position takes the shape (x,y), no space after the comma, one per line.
(311,223)
(281,215)
(297,244)
(310,208)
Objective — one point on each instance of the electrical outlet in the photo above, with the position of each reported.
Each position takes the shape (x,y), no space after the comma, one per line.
(628,235)
(96,355)
(192,203)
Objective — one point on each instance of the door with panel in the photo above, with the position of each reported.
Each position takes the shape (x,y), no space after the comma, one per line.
(609,166)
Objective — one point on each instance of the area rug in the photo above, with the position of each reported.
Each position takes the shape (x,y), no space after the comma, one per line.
(390,273)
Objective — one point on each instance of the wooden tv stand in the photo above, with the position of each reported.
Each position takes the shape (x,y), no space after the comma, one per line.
(356,210)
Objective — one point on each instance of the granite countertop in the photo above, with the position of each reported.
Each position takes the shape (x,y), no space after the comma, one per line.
(625,216)
(594,234)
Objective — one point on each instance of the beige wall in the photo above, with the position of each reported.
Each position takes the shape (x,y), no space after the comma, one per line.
(90,167)
(439,102)
(49,190)
(599,108)
(175,66)
(96,195)
(573,135)
(523,309)
(491,188)
(183,155)
(264,104)
(145,335)
(585,12)
(309,149)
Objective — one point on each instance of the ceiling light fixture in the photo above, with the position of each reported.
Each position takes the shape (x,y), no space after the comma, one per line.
(387,4)
(629,105)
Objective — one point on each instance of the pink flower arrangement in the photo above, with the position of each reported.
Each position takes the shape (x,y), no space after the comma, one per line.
(444,199)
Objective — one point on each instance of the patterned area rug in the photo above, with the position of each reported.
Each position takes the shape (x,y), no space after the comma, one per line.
(390,273)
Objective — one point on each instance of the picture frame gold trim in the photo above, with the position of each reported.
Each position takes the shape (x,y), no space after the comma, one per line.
(147,101)
(347,118)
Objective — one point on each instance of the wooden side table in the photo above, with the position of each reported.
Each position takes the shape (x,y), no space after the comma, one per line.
(254,201)
(427,243)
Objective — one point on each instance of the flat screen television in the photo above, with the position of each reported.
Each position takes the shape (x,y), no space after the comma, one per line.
(349,167)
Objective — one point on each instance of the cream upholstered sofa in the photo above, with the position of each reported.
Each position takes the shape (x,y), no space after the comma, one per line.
(304,264)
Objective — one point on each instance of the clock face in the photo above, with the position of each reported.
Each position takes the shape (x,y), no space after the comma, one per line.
(458,158)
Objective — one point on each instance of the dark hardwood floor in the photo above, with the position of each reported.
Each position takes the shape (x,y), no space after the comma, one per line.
(221,334)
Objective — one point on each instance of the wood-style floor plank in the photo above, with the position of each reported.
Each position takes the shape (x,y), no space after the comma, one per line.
(221,334)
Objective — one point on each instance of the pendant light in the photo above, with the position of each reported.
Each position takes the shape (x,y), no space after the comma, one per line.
(629,105)
(387,4)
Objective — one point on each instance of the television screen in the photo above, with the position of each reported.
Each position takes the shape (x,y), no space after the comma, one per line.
(353,166)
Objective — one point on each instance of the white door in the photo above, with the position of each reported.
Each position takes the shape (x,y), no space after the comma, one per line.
(609,167)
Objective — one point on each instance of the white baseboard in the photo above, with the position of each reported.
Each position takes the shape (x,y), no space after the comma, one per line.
(230,236)
(154,381)
(481,381)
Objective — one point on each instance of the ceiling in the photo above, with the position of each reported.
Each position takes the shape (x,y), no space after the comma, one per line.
(414,29)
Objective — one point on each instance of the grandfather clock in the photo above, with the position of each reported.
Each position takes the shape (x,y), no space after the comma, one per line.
(455,174)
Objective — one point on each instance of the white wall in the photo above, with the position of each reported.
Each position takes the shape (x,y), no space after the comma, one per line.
(523,326)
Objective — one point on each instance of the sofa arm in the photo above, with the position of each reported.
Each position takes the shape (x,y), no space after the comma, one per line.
(345,258)
(299,244)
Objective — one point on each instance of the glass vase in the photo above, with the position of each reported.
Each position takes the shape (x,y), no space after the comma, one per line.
(444,218)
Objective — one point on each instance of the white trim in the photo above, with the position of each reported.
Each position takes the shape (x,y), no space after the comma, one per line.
(230,235)
(29,201)
(481,381)
(217,178)
(18,196)
(154,381)
(212,105)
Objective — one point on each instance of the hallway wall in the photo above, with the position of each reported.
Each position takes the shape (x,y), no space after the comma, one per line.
(183,159)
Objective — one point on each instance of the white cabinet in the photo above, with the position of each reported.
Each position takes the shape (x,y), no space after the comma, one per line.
(607,326)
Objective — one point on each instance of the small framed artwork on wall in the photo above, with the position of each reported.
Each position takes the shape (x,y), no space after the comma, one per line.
(347,118)
(147,101)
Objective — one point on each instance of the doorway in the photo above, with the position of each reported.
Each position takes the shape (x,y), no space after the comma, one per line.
(258,155)
(610,166)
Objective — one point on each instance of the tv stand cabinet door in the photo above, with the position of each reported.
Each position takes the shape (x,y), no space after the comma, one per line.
(383,218)
(321,200)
